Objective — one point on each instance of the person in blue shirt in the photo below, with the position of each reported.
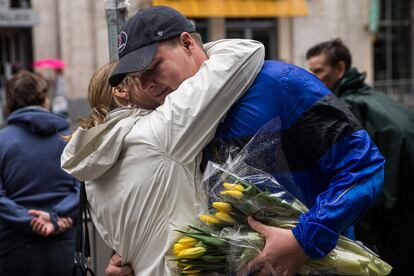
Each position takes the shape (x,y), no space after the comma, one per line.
(337,167)
(38,200)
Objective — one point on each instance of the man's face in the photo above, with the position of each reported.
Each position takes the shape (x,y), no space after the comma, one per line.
(170,67)
(328,74)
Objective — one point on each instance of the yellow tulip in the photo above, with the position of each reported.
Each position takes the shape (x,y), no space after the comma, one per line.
(178,247)
(191,272)
(235,194)
(209,219)
(222,206)
(186,240)
(192,253)
(225,217)
(181,266)
(233,187)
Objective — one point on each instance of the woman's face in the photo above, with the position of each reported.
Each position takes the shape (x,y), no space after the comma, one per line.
(140,97)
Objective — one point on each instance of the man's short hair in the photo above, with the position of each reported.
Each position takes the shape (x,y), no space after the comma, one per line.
(25,89)
(335,51)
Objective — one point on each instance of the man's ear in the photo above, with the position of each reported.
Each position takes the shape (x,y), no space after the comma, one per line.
(341,69)
(121,94)
(187,41)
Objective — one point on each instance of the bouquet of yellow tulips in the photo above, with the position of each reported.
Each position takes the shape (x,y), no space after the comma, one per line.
(223,243)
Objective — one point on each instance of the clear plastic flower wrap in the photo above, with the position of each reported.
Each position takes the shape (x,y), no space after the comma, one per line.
(223,242)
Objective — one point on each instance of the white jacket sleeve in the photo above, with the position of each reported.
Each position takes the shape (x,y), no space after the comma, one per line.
(190,115)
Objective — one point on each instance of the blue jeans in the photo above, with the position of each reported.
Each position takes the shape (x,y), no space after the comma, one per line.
(39,259)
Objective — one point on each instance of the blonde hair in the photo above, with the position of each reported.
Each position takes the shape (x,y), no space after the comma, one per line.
(100,96)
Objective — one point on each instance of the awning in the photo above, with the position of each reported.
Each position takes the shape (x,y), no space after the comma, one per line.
(237,8)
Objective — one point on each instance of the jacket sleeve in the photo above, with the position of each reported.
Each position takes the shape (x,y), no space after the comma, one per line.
(387,133)
(350,165)
(14,214)
(190,115)
(354,170)
(69,205)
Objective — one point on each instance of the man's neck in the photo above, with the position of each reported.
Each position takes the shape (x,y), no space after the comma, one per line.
(200,56)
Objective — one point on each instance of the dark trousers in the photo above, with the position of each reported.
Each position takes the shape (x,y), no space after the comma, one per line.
(44,259)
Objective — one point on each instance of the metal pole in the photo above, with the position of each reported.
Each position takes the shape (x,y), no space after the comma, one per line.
(115,11)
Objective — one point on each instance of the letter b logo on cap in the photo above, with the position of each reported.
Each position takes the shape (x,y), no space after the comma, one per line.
(122,41)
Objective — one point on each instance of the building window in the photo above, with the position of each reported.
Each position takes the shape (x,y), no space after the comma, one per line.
(202,28)
(23,4)
(393,48)
(263,30)
(15,54)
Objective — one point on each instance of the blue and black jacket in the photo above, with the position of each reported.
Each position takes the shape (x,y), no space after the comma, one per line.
(337,167)
(31,178)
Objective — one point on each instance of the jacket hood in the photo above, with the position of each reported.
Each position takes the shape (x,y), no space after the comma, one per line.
(38,120)
(352,82)
(92,152)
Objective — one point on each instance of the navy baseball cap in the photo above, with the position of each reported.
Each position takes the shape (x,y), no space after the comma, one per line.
(140,36)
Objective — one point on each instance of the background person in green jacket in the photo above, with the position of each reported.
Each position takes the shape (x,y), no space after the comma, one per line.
(391,126)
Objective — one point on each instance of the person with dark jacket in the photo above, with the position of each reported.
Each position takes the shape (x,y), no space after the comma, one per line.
(391,126)
(38,200)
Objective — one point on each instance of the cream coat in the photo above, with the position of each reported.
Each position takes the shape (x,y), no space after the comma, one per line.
(142,168)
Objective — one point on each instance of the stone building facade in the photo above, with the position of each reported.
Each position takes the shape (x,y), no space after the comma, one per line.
(76,32)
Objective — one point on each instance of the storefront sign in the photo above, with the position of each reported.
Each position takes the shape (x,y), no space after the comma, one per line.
(18,17)
(237,8)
